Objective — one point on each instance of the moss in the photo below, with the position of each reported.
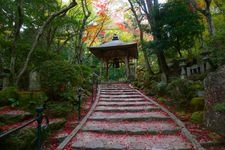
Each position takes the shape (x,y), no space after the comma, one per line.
(219,107)
(197,117)
(197,103)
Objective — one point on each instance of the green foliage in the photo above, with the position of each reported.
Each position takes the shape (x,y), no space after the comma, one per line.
(7,94)
(176,27)
(58,77)
(197,103)
(181,91)
(217,47)
(219,106)
(14,102)
(30,100)
(197,117)
(161,88)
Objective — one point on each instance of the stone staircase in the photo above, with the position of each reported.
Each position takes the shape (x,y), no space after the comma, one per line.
(122,118)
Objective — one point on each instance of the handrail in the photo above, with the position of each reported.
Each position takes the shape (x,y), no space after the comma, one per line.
(39,118)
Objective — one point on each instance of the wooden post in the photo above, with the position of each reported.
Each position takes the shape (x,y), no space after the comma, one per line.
(100,69)
(107,70)
(127,66)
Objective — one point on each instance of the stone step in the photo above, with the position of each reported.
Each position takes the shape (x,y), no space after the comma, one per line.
(123,103)
(129,116)
(123,100)
(88,140)
(138,128)
(118,92)
(121,96)
(126,108)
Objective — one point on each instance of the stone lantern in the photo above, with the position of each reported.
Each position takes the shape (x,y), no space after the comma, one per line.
(205,57)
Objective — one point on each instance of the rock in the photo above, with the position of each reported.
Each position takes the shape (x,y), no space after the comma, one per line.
(214,85)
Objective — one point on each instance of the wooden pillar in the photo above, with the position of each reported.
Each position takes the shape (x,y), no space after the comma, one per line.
(107,70)
(127,66)
(100,69)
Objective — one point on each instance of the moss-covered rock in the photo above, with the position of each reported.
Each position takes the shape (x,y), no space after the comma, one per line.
(214,85)
(197,117)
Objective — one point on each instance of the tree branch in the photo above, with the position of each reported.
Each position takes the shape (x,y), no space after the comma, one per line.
(40,32)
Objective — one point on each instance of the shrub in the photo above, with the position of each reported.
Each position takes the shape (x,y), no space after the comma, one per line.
(59,109)
(58,77)
(30,100)
(197,117)
(161,88)
(181,91)
(197,103)
(7,94)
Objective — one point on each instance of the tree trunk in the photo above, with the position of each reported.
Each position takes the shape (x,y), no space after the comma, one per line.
(79,46)
(206,12)
(40,32)
(147,64)
(208,16)
(18,25)
(162,62)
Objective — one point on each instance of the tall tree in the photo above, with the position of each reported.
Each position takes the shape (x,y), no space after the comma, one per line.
(177,26)
(204,7)
(139,19)
(148,6)
(20,19)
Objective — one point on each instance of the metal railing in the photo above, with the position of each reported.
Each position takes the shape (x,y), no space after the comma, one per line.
(39,118)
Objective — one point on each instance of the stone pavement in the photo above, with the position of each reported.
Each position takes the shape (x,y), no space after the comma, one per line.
(122,118)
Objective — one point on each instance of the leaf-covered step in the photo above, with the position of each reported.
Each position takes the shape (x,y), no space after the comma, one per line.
(126,127)
(123,100)
(124,141)
(118,93)
(121,96)
(123,103)
(126,108)
(129,116)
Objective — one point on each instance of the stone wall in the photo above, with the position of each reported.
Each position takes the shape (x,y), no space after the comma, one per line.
(214,85)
